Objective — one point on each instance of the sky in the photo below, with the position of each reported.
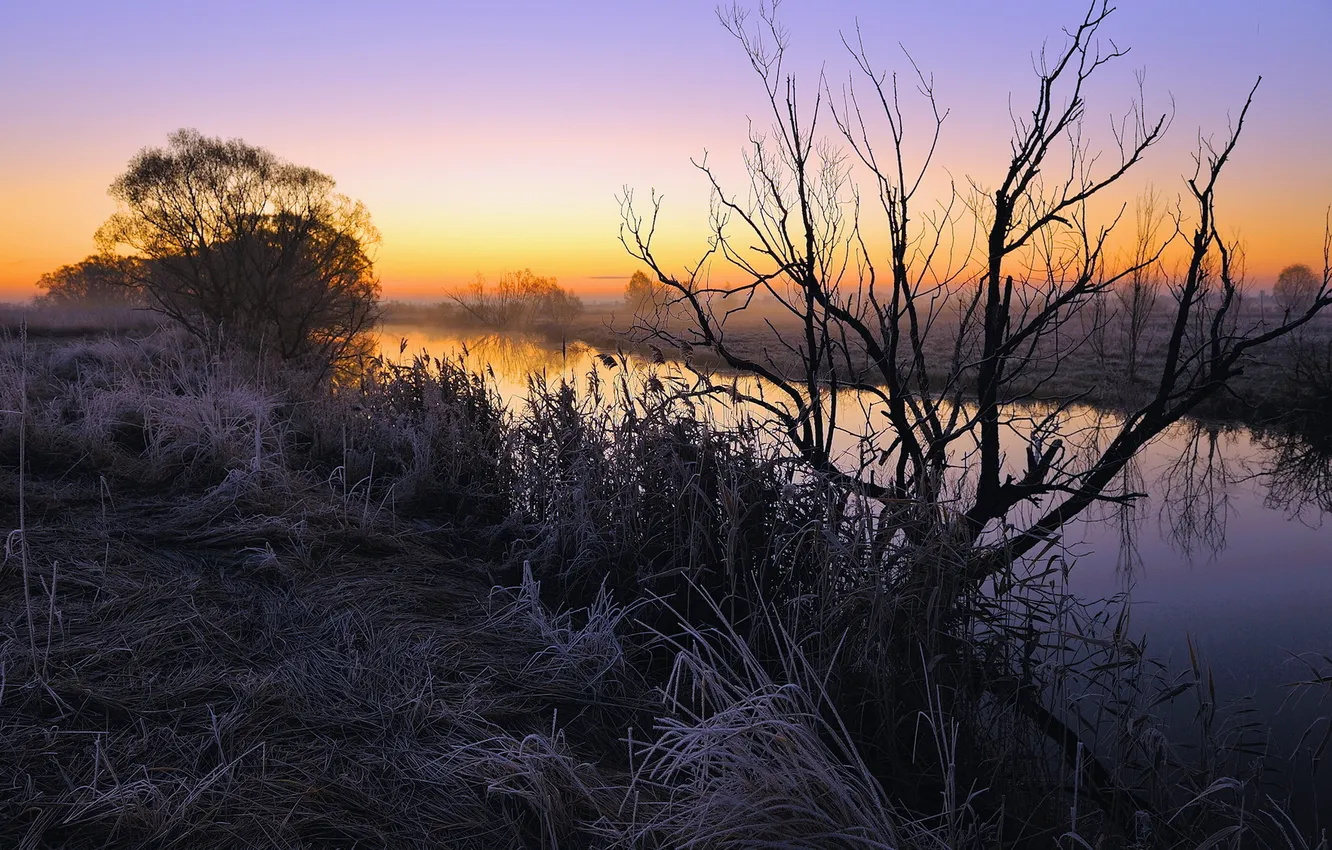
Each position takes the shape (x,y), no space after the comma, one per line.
(486,137)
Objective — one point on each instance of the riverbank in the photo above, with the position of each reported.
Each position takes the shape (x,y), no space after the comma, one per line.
(236,610)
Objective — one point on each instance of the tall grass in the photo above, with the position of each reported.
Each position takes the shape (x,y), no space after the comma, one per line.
(395,612)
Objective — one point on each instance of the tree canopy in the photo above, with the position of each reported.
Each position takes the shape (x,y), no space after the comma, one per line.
(247,249)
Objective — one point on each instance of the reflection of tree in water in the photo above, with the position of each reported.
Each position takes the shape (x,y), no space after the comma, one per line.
(1298,470)
(1123,503)
(1126,515)
(1193,486)
(1193,491)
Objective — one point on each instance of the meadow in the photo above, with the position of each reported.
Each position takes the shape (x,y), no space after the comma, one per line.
(242,608)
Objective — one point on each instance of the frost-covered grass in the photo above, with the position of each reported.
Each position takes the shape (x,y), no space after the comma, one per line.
(238,610)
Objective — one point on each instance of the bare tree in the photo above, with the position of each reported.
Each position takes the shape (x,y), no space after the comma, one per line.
(945,318)
(870,318)
(1137,294)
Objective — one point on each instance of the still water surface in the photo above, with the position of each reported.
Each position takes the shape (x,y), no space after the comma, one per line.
(1231,548)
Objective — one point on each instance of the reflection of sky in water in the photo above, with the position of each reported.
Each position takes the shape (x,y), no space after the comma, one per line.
(1211,558)
(510,357)
(1253,595)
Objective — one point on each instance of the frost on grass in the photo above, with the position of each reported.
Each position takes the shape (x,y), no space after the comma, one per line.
(585,656)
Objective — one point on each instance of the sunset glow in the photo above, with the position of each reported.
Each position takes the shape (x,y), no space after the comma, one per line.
(491,137)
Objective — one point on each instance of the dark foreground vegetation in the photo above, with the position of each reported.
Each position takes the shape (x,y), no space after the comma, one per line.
(239,611)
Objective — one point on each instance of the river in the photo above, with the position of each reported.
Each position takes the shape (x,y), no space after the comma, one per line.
(1230,550)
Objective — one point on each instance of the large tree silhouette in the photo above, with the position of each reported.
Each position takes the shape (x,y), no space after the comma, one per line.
(244,248)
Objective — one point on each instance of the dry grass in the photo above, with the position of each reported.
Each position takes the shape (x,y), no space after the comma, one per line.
(263,615)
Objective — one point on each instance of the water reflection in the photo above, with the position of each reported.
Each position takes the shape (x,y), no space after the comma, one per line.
(1199,476)
(1194,489)
(507,358)
(1212,536)
(1299,474)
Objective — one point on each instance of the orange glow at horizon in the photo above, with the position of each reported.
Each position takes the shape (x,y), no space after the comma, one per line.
(493,140)
(426,253)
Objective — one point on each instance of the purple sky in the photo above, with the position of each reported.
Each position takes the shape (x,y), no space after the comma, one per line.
(492,136)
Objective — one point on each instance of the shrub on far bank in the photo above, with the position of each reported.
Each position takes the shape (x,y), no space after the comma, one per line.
(520,300)
(1296,288)
(100,280)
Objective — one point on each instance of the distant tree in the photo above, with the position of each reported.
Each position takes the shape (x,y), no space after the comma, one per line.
(242,247)
(1138,291)
(553,304)
(644,293)
(98,280)
(519,299)
(1296,288)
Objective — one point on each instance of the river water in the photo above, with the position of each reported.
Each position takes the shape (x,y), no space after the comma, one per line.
(1230,551)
